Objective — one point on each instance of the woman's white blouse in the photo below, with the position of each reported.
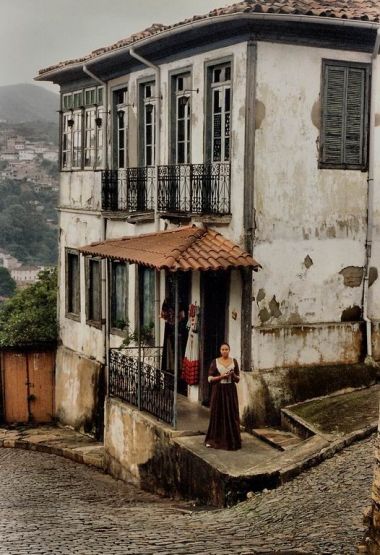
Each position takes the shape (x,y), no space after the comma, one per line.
(223,370)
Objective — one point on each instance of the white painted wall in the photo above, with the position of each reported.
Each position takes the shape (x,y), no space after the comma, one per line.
(301,210)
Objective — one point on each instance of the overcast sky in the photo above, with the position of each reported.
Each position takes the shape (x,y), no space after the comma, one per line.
(38,33)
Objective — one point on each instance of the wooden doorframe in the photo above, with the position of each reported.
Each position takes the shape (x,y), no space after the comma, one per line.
(204,387)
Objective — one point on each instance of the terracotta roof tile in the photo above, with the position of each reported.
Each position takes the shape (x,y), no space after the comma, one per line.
(184,248)
(362,10)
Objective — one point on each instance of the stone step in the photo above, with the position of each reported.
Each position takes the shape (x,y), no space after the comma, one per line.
(280,439)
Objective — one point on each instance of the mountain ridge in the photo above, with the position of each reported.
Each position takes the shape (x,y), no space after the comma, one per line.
(25,102)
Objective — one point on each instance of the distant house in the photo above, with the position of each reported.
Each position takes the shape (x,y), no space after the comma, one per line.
(26,155)
(26,274)
(8,261)
(8,156)
(50,155)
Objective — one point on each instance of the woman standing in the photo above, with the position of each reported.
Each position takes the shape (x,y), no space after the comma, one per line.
(224,427)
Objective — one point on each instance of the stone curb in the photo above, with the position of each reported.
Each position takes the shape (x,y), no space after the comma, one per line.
(76,456)
(285,474)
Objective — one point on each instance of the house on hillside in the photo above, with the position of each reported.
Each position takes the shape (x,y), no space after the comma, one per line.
(257,124)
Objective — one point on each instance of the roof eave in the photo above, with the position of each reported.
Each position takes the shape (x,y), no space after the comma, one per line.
(321,20)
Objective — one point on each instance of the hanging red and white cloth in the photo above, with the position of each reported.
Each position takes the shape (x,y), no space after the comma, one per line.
(190,363)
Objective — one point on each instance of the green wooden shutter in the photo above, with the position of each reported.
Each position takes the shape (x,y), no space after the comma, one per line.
(344,122)
(355,116)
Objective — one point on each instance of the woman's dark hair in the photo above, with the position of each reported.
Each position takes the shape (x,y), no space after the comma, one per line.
(225,343)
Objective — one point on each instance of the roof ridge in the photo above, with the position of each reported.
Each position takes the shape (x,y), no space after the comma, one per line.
(198,232)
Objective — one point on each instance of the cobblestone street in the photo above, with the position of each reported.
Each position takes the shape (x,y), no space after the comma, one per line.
(51,505)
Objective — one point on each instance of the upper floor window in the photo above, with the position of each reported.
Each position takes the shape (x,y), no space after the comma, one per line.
(220,117)
(148,124)
(345,113)
(120,102)
(82,132)
(182,111)
(72,284)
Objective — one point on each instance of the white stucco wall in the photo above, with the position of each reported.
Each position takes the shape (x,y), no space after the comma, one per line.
(78,230)
(311,222)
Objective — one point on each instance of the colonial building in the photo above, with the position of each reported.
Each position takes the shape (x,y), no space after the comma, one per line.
(258,124)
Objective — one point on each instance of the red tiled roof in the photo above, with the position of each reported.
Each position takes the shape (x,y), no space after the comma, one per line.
(362,10)
(184,248)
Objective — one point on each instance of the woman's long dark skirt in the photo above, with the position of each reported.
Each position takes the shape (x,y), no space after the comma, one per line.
(224,427)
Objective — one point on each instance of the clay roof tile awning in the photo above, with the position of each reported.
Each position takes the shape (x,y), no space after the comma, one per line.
(182,249)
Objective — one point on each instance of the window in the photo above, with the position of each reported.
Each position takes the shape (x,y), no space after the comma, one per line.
(344,129)
(121,126)
(182,111)
(119,292)
(148,124)
(94,295)
(82,130)
(72,284)
(146,298)
(220,117)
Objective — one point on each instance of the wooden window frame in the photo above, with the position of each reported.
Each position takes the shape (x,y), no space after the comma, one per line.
(74,106)
(144,103)
(68,286)
(210,87)
(95,322)
(323,164)
(115,330)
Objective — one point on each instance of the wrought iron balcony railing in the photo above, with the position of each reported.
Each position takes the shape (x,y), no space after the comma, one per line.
(128,190)
(142,382)
(195,188)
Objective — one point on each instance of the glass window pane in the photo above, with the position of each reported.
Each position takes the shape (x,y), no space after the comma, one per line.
(181,153)
(181,130)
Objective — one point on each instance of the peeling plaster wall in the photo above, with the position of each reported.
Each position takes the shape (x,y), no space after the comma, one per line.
(80,189)
(77,389)
(311,222)
(129,441)
(78,230)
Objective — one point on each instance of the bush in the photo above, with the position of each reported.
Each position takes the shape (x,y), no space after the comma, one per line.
(30,316)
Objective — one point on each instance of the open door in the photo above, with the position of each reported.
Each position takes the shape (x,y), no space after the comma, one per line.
(215,287)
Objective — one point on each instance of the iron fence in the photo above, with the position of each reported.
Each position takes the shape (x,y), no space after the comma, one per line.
(142,384)
(195,188)
(128,190)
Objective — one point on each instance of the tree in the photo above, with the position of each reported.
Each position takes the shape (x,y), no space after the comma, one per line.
(7,283)
(30,316)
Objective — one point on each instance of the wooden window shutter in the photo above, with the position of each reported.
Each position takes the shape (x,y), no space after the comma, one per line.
(345,115)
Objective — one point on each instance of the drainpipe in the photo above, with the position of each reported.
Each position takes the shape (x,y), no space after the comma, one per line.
(157,72)
(104,264)
(371,163)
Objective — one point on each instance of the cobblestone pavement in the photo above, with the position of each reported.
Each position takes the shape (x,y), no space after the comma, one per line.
(49,505)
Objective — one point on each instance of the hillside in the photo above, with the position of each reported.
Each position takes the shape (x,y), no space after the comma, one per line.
(28,103)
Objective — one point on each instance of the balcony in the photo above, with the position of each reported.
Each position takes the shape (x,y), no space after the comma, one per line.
(183,190)
(129,190)
(202,189)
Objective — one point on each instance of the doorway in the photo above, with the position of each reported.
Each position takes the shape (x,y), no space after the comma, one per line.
(184,289)
(214,287)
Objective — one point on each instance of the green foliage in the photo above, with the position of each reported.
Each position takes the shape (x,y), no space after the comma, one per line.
(24,232)
(146,335)
(7,283)
(30,316)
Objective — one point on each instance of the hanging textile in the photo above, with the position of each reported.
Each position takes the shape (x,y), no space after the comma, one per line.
(190,364)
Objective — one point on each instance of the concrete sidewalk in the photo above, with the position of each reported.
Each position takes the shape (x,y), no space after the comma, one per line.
(324,426)
(55,440)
